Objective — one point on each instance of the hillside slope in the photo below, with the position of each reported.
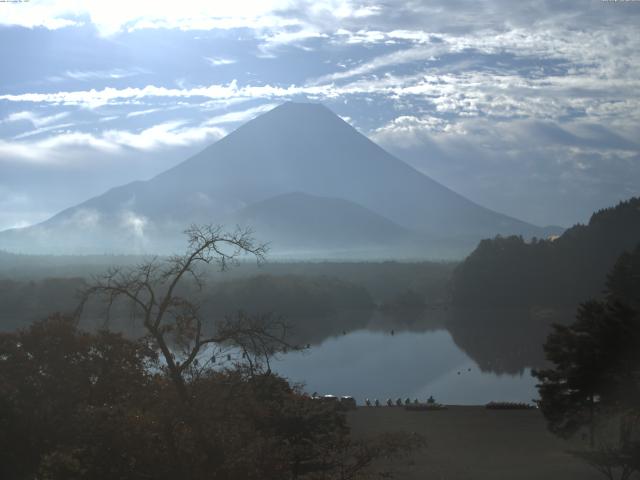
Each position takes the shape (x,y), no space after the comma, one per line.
(507,271)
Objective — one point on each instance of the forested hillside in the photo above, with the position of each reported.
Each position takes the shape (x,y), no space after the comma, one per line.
(508,271)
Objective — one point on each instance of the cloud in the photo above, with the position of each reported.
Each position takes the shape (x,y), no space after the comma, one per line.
(139,113)
(549,74)
(95,98)
(124,15)
(541,171)
(72,146)
(40,131)
(38,14)
(288,36)
(71,139)
(498,66)
(583,49)
(134,223)
(218,61)
(396,58)
(35,119)
(84,218)
(230,91)
(66,146)
(240,116)
(410,128)
(168,134)
(88,75)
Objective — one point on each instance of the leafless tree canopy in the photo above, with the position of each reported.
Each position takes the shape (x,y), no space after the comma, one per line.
(172,322)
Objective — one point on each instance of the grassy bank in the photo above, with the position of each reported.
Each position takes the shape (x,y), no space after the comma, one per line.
(473,443)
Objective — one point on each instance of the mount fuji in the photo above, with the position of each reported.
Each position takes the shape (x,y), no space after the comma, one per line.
(306,181)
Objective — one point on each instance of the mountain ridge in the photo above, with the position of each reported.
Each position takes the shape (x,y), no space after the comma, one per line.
(293,219)
(296,147)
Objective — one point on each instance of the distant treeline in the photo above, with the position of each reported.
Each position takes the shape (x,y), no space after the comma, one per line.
(34,267)
(287,295)
(383,280)
(25,301)
(298,292)
(290,296)
(509,272)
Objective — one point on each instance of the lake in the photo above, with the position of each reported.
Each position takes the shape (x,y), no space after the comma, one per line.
(422,357)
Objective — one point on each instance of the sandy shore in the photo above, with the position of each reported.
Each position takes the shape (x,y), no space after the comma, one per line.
(473,443)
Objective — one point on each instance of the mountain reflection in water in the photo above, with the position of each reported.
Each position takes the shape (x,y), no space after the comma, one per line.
(458,356)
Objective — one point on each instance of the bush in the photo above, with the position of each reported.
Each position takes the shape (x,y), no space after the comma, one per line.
(75,405)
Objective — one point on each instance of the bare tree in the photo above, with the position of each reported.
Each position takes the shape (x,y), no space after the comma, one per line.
(172,322)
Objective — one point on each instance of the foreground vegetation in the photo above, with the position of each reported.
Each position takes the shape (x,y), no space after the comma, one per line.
(186,399)
(190,392)
(76,405)
(594,381)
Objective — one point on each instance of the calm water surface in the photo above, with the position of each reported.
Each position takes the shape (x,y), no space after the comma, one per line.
(415,364)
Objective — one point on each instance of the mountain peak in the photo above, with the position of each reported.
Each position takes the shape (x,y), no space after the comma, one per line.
(300,106)
(298,111)
(296,147)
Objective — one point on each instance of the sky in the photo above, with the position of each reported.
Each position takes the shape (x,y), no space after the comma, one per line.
(531,108)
